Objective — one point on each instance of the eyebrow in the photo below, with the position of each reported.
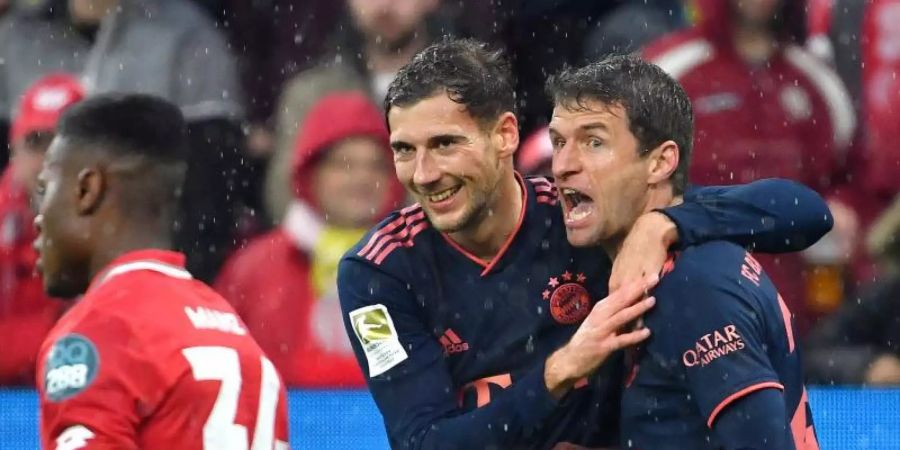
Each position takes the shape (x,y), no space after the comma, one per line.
(400,144)
(594,125)
(437,139)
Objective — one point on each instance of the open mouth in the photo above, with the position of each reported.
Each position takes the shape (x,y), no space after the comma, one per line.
(444,195)
(577,205)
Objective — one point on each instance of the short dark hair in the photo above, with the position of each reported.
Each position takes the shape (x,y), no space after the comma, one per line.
(148,129)
(128,124)
(656,105)
(470,72)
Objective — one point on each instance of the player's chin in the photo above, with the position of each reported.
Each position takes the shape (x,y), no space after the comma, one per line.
(581,237)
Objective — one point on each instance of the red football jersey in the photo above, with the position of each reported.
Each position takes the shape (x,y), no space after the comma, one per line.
(150,358)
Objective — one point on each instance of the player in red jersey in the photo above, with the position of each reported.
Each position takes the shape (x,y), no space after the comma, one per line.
(149,357)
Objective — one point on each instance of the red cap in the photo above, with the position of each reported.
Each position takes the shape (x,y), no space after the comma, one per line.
(43,103)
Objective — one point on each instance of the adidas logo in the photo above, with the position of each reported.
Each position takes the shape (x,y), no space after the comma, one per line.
(452,343)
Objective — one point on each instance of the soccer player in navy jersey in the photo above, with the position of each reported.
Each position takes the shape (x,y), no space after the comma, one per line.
(721,369)
(471,316)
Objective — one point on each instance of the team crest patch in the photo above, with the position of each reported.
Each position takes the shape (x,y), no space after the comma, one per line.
(72,366)
(569,300)
(375,330)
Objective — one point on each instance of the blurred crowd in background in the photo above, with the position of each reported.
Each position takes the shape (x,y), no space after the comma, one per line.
(290,162)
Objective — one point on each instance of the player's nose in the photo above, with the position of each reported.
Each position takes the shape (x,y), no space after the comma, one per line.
(565,162)
(427,171)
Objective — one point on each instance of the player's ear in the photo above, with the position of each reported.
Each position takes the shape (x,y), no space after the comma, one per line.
(662,162)
(505,135)
(91,189)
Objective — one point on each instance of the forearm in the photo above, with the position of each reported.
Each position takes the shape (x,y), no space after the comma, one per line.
(770,215)
(506,420)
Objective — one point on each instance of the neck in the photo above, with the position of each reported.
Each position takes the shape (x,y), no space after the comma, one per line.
(754,43)
(126,242)
(485,239)
(382,57)
(659,196)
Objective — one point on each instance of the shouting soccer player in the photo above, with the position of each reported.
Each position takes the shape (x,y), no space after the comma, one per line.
(472,317)
(148,357)
(721,369)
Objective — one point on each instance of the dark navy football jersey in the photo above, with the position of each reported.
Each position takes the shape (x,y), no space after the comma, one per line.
(453,348)
(720,332)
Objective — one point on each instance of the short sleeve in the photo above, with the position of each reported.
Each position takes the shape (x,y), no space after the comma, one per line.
(88,388)
(713,332)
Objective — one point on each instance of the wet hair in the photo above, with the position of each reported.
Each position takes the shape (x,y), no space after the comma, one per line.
(470,72)
(656,106)
(148,131)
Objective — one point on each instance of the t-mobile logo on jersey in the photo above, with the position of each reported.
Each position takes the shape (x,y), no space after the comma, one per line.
(713,345)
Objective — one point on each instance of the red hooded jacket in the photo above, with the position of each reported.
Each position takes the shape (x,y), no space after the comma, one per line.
(789,118)
(269,281)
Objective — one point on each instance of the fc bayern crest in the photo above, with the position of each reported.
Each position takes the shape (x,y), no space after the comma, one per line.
(569,300)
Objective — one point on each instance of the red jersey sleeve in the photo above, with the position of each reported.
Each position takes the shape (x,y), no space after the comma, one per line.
(92,382)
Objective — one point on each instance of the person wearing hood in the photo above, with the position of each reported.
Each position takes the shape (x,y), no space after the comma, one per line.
(26,313)
(766,108)
(283,284)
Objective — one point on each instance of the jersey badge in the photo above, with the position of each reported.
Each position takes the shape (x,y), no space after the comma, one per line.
(375,330)
(72,366)
(569,300)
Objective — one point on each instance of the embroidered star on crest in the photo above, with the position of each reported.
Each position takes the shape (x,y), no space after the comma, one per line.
(581,278)
(567,276)
(546,294)
(554,282)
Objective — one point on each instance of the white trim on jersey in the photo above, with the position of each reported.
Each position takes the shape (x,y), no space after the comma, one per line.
(681,59)
(155,266)
(840,107)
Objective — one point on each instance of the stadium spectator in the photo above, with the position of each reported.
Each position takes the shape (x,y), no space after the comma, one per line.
(381,37)
(860,343)
(170,49)
(26,314)
(343,183)
(765,107)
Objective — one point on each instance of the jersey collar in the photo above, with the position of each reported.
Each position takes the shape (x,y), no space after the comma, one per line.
(166,262)
(487,266)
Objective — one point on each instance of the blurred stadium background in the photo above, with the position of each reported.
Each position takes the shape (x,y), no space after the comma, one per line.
(820,104)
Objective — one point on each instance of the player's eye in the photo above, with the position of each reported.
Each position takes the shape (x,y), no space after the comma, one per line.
(594,143)
(558,144)
(444,143)
(403,150)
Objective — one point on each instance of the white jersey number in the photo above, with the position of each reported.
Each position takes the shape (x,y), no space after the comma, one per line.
(220,431)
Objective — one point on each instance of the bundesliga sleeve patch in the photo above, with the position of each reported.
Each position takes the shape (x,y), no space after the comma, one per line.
(72,366)
(378,336)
